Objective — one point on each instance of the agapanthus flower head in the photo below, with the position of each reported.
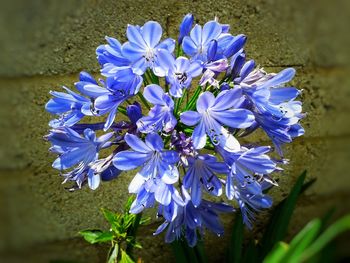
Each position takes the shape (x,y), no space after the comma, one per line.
(175,114)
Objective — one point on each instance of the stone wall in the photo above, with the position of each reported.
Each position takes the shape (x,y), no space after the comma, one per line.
(45,43)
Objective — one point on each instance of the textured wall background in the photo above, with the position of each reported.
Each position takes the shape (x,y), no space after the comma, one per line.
(45,43)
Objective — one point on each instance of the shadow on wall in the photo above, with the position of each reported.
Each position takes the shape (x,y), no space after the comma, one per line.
(44,45)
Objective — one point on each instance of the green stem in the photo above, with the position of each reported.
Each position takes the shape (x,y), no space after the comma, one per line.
(144,101)
(122,110)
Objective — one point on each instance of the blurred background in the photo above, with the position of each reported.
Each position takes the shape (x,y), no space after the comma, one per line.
(44,44)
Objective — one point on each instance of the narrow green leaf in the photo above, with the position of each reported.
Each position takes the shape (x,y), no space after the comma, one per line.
(125,257)
(91,235)
(109,216)
(190,253)
(277,253)
(279,221)
(338,227)
(251,253)
(200,251)
(122,110)
(192,103)
(104,237)
(301,241)
(234,251)
(113,258)
(179,252)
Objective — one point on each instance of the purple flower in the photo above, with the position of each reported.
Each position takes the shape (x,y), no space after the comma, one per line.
(143,46)
(179,73)
(275,108)
(185,27)
(212,113)
(183,145)
(155,162)
(149,190)
(70,107)
(110,55)
(73,149)
(197,43)
(160,117)
(248,178)
(201,175)
(189,219)
(118,89)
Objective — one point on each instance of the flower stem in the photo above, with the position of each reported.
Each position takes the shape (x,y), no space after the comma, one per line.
(144,101)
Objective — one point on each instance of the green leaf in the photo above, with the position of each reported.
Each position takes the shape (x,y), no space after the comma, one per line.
(277,253)
(192,103)
(279,221)
(91,235)
(113,258)
(335,229)
(104,237)
(302,240)
(109,216)
(235,246)
(125,258)
(179,252)
(122,110)
(199,250)
(251,253)
(96,236)
(145,220)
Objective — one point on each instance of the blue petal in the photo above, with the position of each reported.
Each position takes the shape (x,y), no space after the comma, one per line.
(182,64)
(234,118)
(205,101)
(170,157)
(211,30)
(139,66)
(134,112)
(110,118)
(169,174)
(73,157)
(154,94)
(282,77)
(136,143)
(196,193)
(190,118)
(136,183)
(105,103)
(212,48)
(247,68)
(151,32)
(93,180)
(91,90)
(134,36)
(237,43)
(128,160)
(168,44)
(154,141)
(165,62)
(199,136)
(188,46)
(227,99)
(195,69)
(162,194)
(161,228)
(196,35)
(279,95)
(132,51)
(110,173)
(185,27)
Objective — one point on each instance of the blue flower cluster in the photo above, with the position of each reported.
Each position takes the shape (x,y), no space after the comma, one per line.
(199,95)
